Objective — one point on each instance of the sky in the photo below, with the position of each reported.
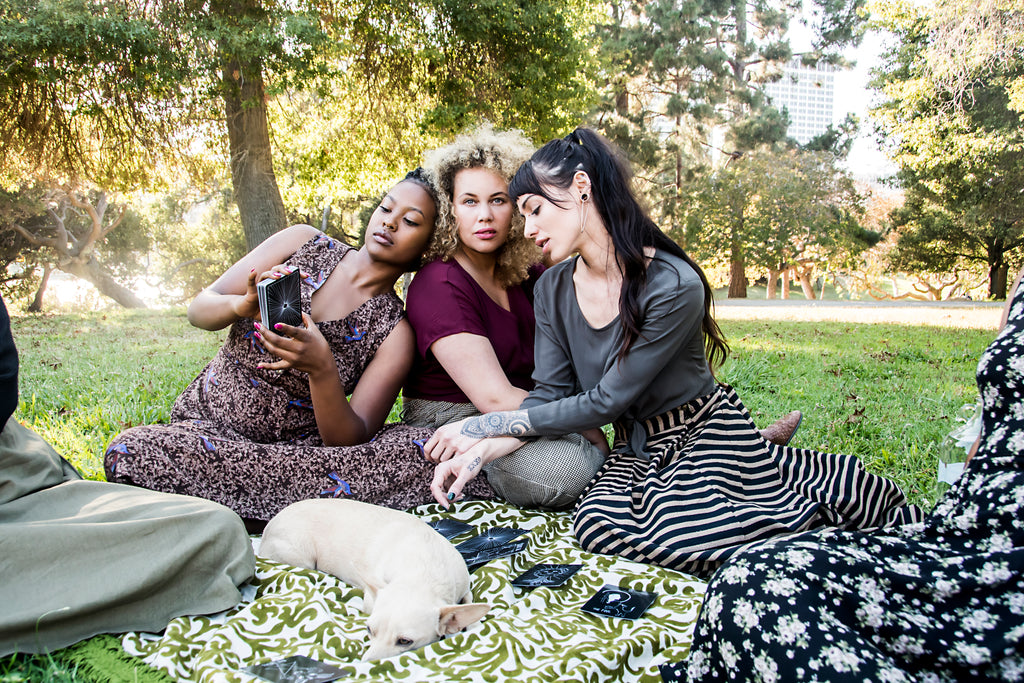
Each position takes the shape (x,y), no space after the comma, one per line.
(866,160)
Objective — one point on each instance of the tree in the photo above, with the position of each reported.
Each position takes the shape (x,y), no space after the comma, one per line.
(677,71)
(112,92)
(954,127)
(65,229)
(780,212)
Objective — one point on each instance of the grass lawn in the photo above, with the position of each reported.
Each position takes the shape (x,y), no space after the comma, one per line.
(886,393)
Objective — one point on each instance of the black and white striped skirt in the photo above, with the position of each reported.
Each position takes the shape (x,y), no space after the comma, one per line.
(710,484)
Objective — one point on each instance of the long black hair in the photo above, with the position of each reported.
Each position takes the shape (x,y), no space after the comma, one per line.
(631,229)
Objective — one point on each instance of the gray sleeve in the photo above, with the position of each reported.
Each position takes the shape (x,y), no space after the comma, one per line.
(673,308)
(553,375)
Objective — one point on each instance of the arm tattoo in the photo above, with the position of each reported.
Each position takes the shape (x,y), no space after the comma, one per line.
(504,423)
(473,465)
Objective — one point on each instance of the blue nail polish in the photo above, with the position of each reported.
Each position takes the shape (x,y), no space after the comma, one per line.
(451,496)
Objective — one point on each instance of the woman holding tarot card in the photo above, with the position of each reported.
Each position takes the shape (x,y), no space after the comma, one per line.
(625,334)
(295,411)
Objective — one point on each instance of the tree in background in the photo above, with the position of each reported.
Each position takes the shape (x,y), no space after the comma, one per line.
(952,122)
(784,212)
(129,95)
(73,231)
(680,75)
(110,92)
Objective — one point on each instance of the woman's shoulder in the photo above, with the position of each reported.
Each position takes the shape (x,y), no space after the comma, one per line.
(669,270)
(553,278)
(438,274)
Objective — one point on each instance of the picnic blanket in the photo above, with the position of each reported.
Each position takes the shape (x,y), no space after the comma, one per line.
(537,634)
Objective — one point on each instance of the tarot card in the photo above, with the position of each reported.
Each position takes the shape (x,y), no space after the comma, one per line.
(623,603)
(450,528)
(489,539)
(482,557)
(280,300)
(296,669)
(546,575)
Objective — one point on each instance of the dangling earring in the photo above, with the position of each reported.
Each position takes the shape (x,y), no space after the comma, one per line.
(583,218)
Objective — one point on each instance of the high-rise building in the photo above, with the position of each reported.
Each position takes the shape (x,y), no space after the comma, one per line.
(806,93)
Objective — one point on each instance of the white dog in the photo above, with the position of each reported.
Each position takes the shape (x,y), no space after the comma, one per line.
(415,583)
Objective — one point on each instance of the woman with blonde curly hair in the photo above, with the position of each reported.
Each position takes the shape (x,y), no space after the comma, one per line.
(471,307)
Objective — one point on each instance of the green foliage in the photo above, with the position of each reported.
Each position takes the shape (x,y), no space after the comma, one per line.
(63,230)
(778,208)
(197,237)
(957,136)
(89,89)
(520,64)
(672,71)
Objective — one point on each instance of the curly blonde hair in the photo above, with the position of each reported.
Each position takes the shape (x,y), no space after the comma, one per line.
(502,152)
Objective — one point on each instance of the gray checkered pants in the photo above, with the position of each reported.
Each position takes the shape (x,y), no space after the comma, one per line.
(547,472)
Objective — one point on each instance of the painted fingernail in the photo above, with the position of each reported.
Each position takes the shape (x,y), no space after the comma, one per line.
(257,335)
(278,326)
(451,496)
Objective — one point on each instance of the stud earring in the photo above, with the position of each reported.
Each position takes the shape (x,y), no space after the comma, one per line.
(584,197)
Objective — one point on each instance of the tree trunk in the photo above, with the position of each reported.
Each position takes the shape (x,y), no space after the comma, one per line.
(37,302)
(804,275)
(997,270)
(773,283)
(737,272)
(785,282)
(252,170)
(92,271)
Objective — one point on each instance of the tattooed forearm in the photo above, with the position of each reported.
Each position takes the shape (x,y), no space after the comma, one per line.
(505,423)
(473,465)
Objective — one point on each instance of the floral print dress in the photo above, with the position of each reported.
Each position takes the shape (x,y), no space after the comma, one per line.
(941,600)
(246,437)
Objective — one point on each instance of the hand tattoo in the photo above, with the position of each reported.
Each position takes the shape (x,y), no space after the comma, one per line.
(503,423)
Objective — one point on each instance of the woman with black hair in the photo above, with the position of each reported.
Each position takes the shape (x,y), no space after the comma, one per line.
(625,334)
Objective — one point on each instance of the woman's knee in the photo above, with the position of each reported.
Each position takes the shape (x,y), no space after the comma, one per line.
(547,473)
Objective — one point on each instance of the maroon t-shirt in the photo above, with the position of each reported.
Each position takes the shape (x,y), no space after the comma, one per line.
(444,300)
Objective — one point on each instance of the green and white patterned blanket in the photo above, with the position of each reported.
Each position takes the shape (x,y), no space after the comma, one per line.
(529,635)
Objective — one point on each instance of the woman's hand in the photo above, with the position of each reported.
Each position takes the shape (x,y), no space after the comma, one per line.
(247,305)
(297,348)
(452,475)
(448,442)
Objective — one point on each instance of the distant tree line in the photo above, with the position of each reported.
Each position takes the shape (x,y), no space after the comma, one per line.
(159,141)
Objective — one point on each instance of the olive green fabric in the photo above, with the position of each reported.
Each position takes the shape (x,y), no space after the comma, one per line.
(79,558)
(538,635)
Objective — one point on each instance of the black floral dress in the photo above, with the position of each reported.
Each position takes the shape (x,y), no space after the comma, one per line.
(941,600)
(246,437)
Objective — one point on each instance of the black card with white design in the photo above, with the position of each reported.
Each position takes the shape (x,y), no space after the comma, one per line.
(478,559)
(492,538)
(296,669)
(546,575)
(621,603)
(450,528)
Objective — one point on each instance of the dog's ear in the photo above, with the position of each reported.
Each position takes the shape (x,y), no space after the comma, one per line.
(369,597)
(454,618)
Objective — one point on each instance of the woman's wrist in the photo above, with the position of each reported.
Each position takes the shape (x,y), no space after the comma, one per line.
(504,423)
